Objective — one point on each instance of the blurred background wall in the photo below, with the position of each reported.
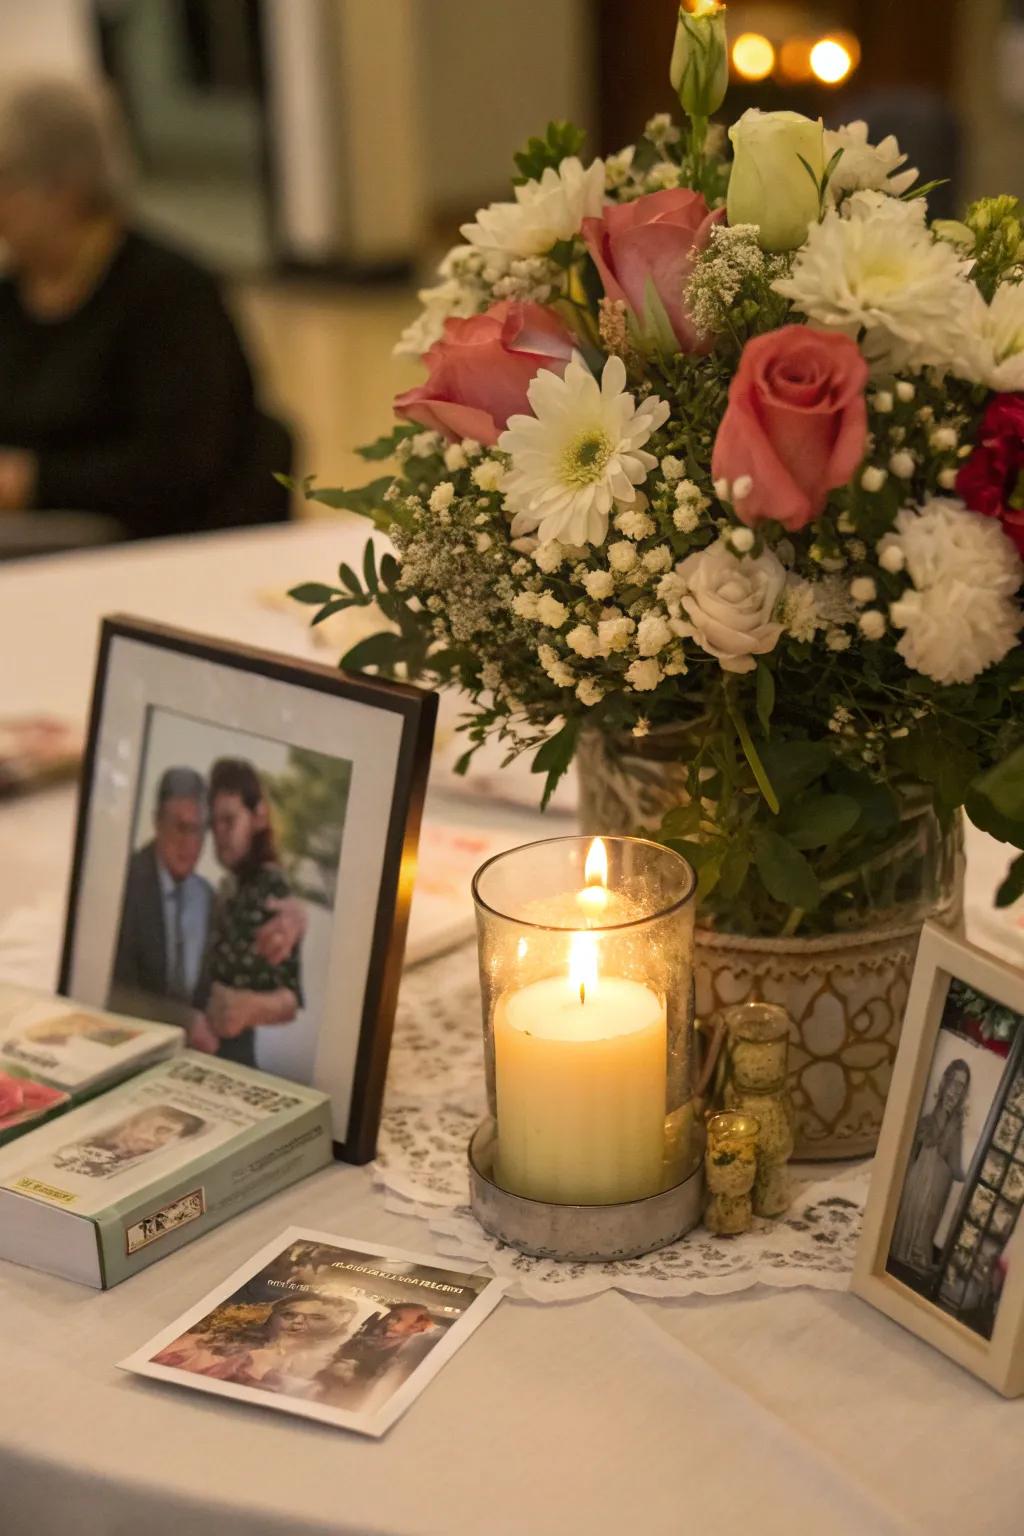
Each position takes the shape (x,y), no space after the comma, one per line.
(322,153)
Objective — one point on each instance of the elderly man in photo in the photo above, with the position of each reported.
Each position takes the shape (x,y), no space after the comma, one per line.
(167,909)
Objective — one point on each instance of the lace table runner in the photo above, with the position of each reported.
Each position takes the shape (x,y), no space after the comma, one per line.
(434,1102)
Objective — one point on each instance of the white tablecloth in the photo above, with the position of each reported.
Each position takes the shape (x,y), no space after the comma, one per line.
(793,1412)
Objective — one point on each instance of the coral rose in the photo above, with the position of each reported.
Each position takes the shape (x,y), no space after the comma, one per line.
(480,370)
(992,479)
(653,239)
(796,424)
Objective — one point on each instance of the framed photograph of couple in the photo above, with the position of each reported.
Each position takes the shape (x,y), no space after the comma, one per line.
(244,857)
(942,1250)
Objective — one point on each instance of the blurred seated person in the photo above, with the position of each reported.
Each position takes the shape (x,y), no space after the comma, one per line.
(124,389)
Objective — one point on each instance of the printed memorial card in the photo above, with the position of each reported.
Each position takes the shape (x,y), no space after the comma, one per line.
(326,1328)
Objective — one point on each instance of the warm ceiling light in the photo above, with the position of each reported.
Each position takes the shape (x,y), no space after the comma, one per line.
(795,59)
(831,61)
(753,57)
(702,7)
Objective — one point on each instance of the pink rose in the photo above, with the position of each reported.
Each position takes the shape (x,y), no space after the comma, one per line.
(656,238)
(480,370)
(796,424)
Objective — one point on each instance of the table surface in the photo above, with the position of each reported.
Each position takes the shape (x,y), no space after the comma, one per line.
(781,1412)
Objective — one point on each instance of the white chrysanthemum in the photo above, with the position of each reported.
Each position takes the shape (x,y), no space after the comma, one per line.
(959,616)
(580,454)
(879,269)
(865,166)
(993,350)
(544,211)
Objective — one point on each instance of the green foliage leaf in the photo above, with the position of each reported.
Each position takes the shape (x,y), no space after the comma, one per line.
(337,605)
(384,651)
(367,500)
(561,140)
(765,696)
(794,765)
(784,871)
(390,571)
(1012,888)
(1003,785)
(735,868)
(681,820)
(370,567)
(384,447)
(555,756)
(815,821)
(757,768)
(312,592)
(348,578)
(879,807)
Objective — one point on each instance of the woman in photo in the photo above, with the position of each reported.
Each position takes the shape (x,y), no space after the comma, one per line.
(284,1353)
(145,1132)
(936,1160)
(242,990)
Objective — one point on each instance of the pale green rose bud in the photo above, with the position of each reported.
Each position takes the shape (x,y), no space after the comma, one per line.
(769,185)
(700,59)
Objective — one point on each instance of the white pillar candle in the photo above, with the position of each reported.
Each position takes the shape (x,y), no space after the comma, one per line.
(580,1068)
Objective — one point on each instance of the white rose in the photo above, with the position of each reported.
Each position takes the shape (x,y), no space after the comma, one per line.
(589,692)
(730,603)
(653,634)
(769,185)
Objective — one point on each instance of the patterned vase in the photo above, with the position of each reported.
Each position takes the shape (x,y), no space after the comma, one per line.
(845,992)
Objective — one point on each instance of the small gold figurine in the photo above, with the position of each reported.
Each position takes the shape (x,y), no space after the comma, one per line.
(757,1085)
(730,1165)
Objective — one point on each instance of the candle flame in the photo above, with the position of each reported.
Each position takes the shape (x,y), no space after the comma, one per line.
(596,868)
(583,964)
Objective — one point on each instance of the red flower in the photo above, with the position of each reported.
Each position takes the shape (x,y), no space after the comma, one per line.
(992,479)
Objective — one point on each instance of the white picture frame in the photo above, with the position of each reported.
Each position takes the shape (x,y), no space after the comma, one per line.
(950,1297)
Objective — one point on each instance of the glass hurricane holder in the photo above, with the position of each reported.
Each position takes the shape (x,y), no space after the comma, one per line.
(586,974)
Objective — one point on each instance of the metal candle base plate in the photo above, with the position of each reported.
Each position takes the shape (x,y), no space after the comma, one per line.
(582,1233)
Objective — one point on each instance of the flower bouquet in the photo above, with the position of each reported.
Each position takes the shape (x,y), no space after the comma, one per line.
(717,477)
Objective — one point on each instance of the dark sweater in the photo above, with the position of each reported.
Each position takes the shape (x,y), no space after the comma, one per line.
(140,403)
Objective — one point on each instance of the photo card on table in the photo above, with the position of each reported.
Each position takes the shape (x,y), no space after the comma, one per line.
(326,1328)
(244,857)
(942,1250)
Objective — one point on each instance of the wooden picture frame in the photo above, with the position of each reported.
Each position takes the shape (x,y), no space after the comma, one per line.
(957,1099)
(154,682)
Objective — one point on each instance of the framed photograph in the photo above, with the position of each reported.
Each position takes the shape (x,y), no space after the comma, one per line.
(245,855)
(326,1328)
(942,1250)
